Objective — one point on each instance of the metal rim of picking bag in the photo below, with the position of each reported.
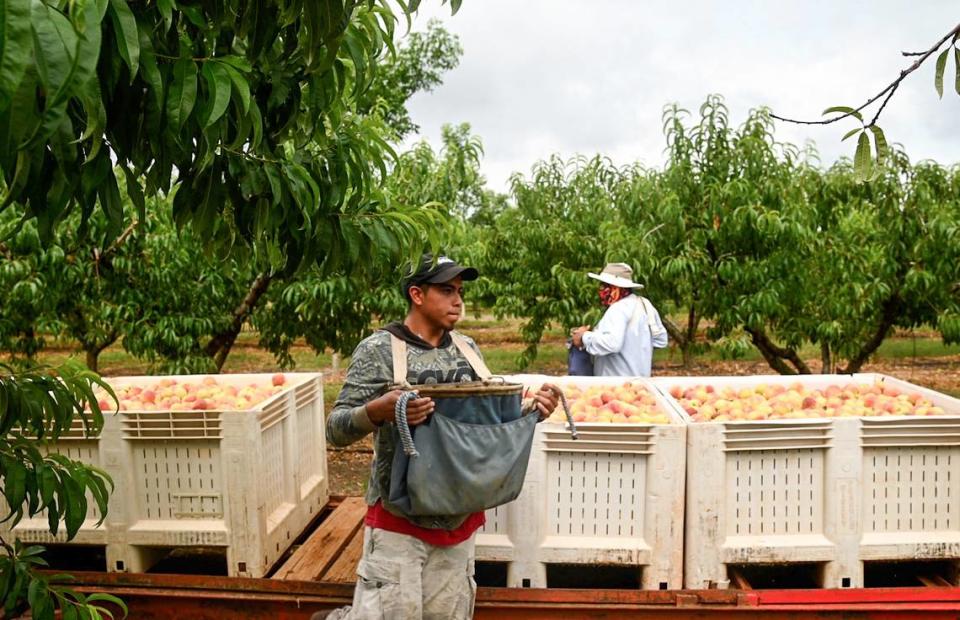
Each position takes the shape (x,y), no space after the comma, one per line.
(468,389)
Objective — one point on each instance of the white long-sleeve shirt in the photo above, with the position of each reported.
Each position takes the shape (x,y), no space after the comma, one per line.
(621,347)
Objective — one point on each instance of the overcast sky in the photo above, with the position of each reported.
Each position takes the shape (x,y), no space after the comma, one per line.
(539,77)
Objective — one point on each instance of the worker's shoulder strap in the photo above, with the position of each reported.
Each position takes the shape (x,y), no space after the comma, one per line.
(398,350)
(472,356)
(648,310)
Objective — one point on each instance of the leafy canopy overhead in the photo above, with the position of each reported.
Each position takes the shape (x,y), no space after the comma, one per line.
(252,112)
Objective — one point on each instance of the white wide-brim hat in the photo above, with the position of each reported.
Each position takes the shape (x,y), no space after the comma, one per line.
(616,274)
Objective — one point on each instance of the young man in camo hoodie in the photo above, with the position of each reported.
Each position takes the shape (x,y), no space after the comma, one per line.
(412,567)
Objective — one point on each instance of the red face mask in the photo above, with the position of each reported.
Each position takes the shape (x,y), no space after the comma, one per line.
(611,294)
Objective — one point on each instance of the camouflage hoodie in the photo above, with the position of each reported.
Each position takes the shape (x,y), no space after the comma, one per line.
(369,374)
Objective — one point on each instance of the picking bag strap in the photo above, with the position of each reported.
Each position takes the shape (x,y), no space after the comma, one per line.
(472,357)
(635,317)
(398,349)
(648,309)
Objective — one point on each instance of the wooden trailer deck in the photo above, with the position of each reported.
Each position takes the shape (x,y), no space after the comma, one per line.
(331,553)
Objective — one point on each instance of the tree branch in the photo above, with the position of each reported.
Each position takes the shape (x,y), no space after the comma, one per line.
(118,241)
(775,355)
(219,346)
(674,330)
(888,91)
(888,316)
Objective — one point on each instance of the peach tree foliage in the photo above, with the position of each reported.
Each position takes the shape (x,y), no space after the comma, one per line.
(534,258)
(247,109)
(740,232)
(337,312)
(29,287)
(246,112)
(733,227)
(888,254)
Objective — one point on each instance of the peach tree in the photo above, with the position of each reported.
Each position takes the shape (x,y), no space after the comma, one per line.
(247,113)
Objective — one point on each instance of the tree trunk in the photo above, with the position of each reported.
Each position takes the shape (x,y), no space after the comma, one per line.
(93,358)
(219,346)
(679,336)
(93,350)
(776,356)
(826,366)
(888,316)
(693,321)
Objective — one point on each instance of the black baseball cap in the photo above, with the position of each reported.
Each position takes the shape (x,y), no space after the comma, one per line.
(442,270)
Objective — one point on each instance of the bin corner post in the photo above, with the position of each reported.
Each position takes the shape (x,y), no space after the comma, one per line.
(117,459)
(244,513)
(705,530)
(668,462)
(843,524)
(529,516)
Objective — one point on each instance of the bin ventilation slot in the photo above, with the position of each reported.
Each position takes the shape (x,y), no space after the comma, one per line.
(197,505)
(171,425)
(596,494)
(496,521)
(613,439)
(911,489)
(306,393)
(775,493)
(273,413)
(179,482)
(913,432)
(273,484)
(760,437)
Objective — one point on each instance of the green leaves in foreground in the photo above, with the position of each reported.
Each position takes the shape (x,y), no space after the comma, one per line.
(865,159)
(22,588)
(37,406)
(942,67)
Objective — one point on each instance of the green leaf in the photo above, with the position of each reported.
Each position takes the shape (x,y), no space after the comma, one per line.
(112,205)
(149,70)
(956,61)
(881,143)
(845,110)
(15,47)
(135,192)
(166,12)
(861,160)
(218,86)
(851,132)
(128,39)
(240,86)
(237,62)
(941,67)
(183,92)
(15,483)
(54,42)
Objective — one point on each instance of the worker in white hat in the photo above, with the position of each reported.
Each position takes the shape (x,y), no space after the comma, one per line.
(622,343)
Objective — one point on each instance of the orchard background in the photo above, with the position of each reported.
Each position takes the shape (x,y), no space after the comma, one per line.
(218,187)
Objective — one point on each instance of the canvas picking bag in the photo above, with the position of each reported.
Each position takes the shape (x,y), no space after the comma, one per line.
(472,452)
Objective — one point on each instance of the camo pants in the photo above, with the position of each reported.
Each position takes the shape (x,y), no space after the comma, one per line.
(403,578)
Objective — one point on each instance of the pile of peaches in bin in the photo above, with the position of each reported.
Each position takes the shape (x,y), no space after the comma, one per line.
(707,403)
(195,394)
(632,403)
(628,403)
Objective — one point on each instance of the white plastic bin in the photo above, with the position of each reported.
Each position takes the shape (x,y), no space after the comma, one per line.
(612,497)
(829,491)
(249,481)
